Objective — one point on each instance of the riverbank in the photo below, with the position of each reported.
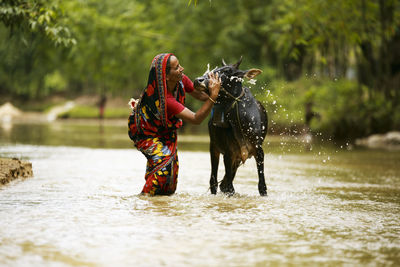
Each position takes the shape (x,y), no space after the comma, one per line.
(82,107)
(11,169)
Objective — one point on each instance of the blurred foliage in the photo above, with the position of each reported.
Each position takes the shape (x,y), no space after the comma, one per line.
(343,56)
(36,15)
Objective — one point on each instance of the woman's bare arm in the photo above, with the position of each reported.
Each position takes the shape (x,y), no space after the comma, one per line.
(200,95)
(196,118)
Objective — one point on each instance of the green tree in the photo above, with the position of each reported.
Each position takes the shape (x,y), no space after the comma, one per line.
(36,15)
(290,40)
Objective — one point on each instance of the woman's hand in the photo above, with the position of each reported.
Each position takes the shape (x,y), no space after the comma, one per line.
(214,84)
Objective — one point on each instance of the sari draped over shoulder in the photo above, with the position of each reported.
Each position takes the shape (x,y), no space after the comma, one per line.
(154,134)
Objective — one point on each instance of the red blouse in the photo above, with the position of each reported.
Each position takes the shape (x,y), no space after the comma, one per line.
(173,106)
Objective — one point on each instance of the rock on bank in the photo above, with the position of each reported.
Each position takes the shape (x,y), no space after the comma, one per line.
(11,169)
(390,140)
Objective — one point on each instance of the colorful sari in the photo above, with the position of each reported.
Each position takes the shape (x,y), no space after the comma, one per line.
(154,134)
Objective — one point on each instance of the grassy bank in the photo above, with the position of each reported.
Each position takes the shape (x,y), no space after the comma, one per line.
(89,112)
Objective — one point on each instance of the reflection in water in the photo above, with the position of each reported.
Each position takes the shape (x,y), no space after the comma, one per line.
(6,127)
(114,134)
(82,208)
(101,134)
(85,133)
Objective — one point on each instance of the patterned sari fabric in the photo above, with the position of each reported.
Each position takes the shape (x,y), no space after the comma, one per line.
(154,134)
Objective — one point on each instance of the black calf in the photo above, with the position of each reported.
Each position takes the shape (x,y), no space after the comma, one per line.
(237,127)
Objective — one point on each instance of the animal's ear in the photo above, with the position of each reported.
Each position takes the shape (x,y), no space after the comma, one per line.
(236,65)
(223,62)
(251,73)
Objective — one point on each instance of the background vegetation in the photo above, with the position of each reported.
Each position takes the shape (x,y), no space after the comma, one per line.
(342,55)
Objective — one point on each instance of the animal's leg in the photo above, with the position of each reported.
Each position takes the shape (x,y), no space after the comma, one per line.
(214,153)
(262,187)
(226,185)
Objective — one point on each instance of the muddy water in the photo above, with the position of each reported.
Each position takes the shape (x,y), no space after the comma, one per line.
(328,206)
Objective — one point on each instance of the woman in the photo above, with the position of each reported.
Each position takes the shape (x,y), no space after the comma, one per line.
(159,113)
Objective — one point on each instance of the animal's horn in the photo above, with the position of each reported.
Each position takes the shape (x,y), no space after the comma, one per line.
(238,63)
(223,62)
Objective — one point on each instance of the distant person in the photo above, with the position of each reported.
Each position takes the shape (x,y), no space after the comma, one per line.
(102,105)
(159,113)
(310,114)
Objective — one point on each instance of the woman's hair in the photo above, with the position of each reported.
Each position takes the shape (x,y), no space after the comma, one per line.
(168,66)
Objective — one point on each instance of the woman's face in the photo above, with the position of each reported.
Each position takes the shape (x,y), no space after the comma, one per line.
(176,71)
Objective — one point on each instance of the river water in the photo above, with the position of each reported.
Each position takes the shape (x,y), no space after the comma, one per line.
(333,205)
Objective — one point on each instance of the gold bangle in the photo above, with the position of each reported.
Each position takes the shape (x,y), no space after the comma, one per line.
(212,100)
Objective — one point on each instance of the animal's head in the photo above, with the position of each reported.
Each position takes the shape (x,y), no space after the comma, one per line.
(231,77)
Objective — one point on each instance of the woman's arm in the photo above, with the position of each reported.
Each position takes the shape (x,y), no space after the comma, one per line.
(196,118)
(200,95)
